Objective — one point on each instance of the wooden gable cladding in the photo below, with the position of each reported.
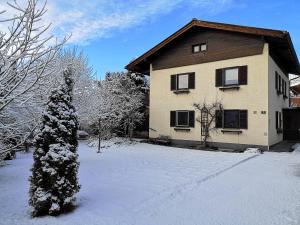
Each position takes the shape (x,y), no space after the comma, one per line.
(221,45)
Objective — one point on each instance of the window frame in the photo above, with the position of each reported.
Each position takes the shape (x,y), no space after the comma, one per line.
(239,120)
(224,76)
(177,81)
(188,118)
(199,45)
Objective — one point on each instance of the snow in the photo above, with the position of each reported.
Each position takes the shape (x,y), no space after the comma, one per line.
(138,183)
(252,151)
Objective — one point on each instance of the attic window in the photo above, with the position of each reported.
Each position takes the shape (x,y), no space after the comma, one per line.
(199,48)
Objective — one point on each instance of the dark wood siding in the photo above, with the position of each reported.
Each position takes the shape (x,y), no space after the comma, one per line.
(220,45)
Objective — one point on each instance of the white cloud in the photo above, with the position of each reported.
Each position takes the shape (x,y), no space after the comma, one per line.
(88,20)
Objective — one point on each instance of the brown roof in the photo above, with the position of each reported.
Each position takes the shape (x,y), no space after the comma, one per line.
(279,40)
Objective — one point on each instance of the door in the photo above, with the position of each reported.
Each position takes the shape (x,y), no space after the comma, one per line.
(291,124)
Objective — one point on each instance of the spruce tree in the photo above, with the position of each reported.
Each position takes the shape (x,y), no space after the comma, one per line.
(54,181)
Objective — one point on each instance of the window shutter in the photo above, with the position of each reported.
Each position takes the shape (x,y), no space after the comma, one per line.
(172,118)
(219,77)
(280,119)
(243,119)
(279,84)
(219,119)
(276,81)
(173,82)
(276,120)
(191,118)
(192,81)
(243,75)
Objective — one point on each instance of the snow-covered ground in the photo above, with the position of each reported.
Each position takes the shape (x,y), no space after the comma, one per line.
(145,184)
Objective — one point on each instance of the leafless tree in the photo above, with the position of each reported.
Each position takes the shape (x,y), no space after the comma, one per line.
(207,118)
(26,54)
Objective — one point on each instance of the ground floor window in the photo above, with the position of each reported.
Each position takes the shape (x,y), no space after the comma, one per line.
(232,119)
(279,121)
(182,118)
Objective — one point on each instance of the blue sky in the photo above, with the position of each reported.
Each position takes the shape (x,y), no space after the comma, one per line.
(116,50)
(113,32)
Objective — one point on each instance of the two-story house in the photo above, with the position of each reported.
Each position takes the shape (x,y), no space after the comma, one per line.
(246,68)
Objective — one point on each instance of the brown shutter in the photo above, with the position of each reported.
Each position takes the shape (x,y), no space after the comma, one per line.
(173,82)
(219,77)
(191,119)
(243,75)
(219,119)
(243,119)
(172,118)
(191,80)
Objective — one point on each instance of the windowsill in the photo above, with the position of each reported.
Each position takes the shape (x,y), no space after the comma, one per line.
(279,131)
(231,131)
(181,91)
(229,87)
(279,92)
(187,129)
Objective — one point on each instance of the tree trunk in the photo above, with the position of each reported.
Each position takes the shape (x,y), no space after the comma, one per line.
(99,137)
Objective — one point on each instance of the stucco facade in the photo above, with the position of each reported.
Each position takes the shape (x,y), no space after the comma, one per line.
(259,97)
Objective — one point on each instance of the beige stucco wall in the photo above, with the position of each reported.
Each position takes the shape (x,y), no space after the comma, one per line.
(253,97)
(276,102)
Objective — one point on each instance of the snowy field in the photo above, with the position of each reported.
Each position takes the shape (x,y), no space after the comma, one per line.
(144,184)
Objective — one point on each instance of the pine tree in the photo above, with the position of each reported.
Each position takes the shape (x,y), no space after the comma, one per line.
(54,181)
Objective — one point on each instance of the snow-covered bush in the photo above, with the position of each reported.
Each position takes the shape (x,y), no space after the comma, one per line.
(54,181)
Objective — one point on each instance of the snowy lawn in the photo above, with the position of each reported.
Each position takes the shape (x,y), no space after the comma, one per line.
(147,184)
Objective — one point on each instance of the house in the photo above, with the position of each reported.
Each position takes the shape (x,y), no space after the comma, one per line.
(246,68)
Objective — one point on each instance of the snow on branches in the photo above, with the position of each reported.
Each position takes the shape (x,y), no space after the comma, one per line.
(54,181)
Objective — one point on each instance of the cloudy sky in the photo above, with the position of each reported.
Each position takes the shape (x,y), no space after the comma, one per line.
(112,32)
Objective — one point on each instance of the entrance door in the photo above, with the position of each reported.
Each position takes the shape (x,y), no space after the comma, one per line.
(291,124)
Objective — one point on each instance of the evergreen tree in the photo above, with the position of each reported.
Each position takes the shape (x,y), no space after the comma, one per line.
(54,181)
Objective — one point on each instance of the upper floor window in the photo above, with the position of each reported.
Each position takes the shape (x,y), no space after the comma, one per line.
(231,76)
(182,82)
(199,48)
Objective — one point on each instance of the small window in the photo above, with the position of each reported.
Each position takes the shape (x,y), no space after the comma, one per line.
(199,48)
(231,119)
(183,81)
(182,118)
(232,76)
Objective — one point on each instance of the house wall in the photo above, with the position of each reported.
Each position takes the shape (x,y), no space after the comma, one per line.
(253,97)
(276,102)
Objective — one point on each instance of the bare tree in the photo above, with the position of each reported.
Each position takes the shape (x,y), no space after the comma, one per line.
(25,60)
(207,118)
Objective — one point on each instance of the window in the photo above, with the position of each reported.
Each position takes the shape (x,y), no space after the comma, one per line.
(199,48)
(231,76)
(182,118)
(278,121)
(183,81)
(232,119)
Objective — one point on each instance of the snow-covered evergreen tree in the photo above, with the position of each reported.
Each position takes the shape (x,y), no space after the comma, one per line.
(54,181)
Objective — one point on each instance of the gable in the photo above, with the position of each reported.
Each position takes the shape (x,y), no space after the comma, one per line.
(221,45)
(280,45)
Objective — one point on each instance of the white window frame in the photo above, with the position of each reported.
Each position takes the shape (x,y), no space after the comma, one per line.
(225,79)
(199,46)
(178,83)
